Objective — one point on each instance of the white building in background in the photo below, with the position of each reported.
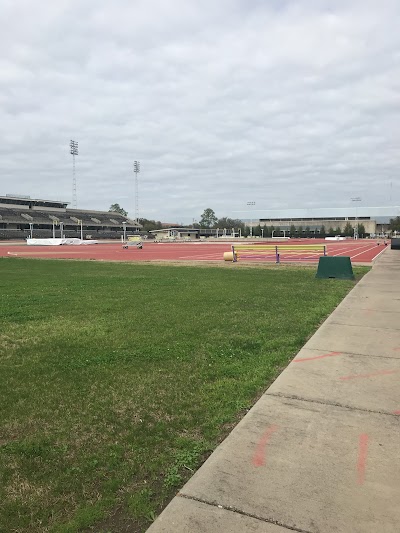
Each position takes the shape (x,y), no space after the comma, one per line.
(372,226)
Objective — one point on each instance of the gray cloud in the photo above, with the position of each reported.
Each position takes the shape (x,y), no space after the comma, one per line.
(291,104)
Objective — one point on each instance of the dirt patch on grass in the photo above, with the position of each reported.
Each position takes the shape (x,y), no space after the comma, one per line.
(8,345)
(119,521)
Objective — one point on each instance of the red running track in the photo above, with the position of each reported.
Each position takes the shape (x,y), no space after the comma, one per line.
(359,251)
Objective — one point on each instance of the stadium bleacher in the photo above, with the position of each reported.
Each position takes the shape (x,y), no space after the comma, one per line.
(16,222)
(13,234)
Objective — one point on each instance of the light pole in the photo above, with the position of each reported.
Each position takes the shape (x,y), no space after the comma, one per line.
(356,200)
(61,230)
(81,221)
(31,229)
(251,219)
(74,151)
(124,228)
(262,233)
(136,170)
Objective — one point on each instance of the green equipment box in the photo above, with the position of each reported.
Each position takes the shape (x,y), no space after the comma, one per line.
(335,267)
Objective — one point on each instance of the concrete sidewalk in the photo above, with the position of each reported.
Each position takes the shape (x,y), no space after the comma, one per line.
(319,452)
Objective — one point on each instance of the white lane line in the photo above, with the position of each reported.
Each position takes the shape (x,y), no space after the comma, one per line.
(381,252)
(300,257)
(345,249)
(348,251)
(205,256)
(365,248)
(364,252)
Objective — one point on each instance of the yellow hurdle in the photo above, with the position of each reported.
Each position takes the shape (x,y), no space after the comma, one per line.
(242,250)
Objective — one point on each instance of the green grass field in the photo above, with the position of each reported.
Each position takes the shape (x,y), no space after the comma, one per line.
(117,380)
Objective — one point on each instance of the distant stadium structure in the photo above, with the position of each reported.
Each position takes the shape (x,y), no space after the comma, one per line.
(22,217)
(366,223)
(315,224)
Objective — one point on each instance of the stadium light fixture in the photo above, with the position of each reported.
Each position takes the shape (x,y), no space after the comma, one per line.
(251,220)
(356,200)
(74,151)
(136,170)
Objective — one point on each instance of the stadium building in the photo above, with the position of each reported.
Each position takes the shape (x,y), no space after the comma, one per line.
(313,226)
(22,217)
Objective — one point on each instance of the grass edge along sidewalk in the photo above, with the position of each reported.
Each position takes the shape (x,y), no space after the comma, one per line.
(119,379)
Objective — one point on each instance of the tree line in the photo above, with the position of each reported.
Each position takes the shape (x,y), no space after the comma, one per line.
(395,224)
(147,224)
(209,220)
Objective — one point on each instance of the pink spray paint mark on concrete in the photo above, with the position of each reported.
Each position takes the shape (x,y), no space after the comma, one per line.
(370,375)
(259,458)
(303,359)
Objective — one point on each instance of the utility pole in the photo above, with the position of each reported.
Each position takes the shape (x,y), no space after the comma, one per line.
(136,170)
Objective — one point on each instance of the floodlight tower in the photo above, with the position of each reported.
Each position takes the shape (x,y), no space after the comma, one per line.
(251,222)
(73,151)
(136,170)
(356,199)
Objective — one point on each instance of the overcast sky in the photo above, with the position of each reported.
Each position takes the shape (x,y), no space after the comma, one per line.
(291,104)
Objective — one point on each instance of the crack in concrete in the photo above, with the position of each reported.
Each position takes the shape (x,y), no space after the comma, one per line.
(369,309)
(359,326)
(333,404)
(352,353)
(244,513)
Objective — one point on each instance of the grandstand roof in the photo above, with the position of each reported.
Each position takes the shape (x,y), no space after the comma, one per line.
(179,228)
(26,200)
